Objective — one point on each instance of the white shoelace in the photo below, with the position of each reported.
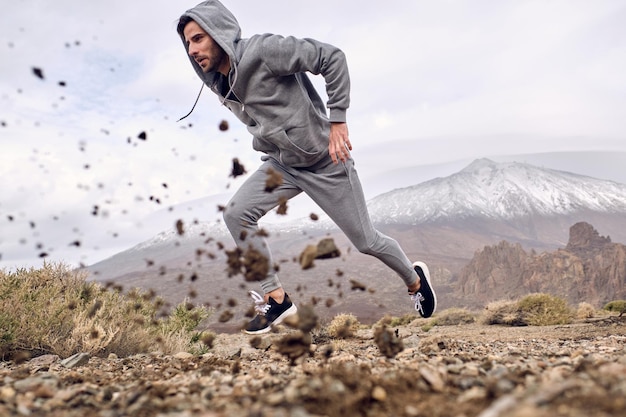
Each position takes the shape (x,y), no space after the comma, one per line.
(417,298)
(260,306)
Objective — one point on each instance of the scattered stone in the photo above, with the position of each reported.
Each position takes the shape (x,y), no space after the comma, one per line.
(306,319)
(261,343)
(294,345)
(76,360)
(433,378)
(7,394)
(44,360)
(38,72)
(480,371)
(379,394)
(256,265)
(180,227)
(324,249)
(282,206)
(357,286)
(307,257)
(273,181)
(183,355)
(387,341)
(237,169)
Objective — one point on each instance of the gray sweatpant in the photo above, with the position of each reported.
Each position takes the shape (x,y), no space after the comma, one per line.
(336,189)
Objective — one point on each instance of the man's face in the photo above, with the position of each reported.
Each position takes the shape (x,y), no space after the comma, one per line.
(204,50)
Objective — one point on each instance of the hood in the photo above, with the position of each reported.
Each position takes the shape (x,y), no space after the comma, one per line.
(220,24)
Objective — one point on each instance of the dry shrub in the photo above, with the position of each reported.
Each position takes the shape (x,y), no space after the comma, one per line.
(503,312)
(585,311)
(617,306)
(343,326)
(545,310)
(55,310)
(533,310)
(177,332)
(398,321)
(454,317)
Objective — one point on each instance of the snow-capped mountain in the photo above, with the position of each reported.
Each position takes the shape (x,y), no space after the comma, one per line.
(490,190)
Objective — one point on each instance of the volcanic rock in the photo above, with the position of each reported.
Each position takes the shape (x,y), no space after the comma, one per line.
(590,268)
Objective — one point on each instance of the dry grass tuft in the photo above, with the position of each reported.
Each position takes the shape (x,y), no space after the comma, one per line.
(454,317)
(585,311)
(55,310)
(343,326)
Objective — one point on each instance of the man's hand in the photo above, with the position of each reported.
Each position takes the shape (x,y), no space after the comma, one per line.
(339,145)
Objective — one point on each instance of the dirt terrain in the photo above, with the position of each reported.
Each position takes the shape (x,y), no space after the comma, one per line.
(460,371)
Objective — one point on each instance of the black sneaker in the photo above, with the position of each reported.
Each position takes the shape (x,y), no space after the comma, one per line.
(269,314)
(425,298)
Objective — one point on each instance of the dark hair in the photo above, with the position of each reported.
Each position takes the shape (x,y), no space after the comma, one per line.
(182,22)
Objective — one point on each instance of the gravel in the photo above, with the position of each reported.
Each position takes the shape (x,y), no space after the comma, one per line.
(460,371)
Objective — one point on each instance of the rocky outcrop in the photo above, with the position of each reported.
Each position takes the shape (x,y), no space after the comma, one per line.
(584,240)
(590,268)
(489,272)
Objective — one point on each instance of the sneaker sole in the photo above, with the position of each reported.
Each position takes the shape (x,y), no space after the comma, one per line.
(289,312)
(426,272)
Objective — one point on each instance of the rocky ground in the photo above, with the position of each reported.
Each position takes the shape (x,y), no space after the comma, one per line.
(468,370)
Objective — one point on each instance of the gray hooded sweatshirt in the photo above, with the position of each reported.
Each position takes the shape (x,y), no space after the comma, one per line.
(268,89)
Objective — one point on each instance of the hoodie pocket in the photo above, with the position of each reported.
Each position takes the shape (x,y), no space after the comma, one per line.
(297,146)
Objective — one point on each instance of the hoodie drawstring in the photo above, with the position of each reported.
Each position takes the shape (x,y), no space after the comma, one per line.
(223,102)
(194,105)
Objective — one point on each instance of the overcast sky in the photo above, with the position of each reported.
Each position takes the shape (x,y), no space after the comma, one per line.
(433,82)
